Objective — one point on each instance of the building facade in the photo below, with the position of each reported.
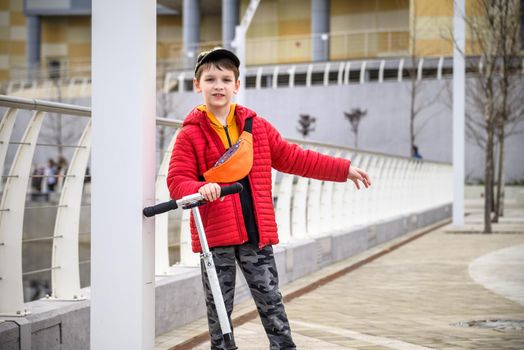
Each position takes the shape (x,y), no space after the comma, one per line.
(46,39)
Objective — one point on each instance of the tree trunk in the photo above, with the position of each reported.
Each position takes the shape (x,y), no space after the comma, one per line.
(488,177)
(412,113)
(500,174)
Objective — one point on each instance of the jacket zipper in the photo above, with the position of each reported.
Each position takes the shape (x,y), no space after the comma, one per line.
(227,135)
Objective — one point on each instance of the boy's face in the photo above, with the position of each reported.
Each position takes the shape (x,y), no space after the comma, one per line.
(217,87)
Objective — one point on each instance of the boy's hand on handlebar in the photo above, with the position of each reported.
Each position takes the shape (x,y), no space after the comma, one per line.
(210,191)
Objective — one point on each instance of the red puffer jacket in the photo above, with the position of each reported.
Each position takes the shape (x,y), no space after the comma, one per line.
(198,147)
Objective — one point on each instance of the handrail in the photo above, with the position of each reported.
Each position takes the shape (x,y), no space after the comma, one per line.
(44,106)
(305,208)
(56,107)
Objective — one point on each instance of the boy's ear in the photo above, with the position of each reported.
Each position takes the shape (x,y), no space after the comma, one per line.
(237,86)
(197,86)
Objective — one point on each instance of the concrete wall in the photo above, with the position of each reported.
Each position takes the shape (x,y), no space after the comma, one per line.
(179,297)
(384,129)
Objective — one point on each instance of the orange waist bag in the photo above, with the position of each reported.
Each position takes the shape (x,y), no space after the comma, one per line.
(236,162)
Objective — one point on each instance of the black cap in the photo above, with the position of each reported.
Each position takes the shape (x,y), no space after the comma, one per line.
(214,55)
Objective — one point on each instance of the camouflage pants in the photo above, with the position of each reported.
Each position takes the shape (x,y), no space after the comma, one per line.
(259,269)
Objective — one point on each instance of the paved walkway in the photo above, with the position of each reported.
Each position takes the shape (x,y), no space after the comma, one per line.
(420,296)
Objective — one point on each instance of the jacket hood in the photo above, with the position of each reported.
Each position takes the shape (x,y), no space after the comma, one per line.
(196,116)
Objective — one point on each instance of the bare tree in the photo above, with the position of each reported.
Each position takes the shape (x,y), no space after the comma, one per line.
(354,117)
(306,124)
(494,33)
(510,87)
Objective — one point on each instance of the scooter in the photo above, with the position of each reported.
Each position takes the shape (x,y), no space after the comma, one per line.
(193,201)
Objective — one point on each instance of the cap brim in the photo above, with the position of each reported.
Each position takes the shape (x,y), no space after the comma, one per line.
(221,53)
(215,55)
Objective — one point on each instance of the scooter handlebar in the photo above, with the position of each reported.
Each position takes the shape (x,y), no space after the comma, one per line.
(234,188)
(160,208)
(174,204)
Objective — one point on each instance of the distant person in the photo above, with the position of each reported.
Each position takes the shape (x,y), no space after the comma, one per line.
(241,228)
(415,154)
(36,182)
(50,176)
(61,170)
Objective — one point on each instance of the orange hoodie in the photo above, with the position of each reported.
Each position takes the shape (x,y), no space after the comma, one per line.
(230,130)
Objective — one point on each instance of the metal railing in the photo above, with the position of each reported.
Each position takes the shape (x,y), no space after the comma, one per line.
(305,208)
(272,77)
(328,73)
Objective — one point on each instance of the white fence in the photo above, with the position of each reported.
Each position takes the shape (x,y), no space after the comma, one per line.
(304,208)
(258,77)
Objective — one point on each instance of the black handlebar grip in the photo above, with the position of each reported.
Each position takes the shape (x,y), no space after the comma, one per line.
(234,188)
(160,208)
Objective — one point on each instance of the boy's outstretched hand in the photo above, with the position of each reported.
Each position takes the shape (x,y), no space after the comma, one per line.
(356,174)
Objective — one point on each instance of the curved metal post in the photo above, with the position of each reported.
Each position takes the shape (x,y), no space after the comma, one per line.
(161,221)
(366,200)
(66,279)
(371,201)
(403,188)
(340,76)
(11,222)
(309,72)
(6,128)
(346,73)
(258,81)
(292,76)
(275,78)
(326,206)
(419,68)
(439,67)
(363,72)
(400,70)
(283,209)
(187,257)
(338,208)
(353,211)
(298,214)
(326,74)
(313,207)
(381,71)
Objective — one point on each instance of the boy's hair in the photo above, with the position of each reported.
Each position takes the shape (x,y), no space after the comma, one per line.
(222,63)
(219,58)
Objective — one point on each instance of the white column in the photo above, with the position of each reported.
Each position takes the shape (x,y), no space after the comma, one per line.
(240,43)
(458,112)
(190,32)
(123,164)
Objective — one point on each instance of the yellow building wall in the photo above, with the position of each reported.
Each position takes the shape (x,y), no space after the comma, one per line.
(431,25)
(368,28)
(169,37)
(67,40)
(280,32)
(12,40)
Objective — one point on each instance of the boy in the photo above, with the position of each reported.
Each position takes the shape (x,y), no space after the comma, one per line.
(241,227)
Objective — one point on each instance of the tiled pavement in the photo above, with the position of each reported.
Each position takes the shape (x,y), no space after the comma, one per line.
(410,298)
